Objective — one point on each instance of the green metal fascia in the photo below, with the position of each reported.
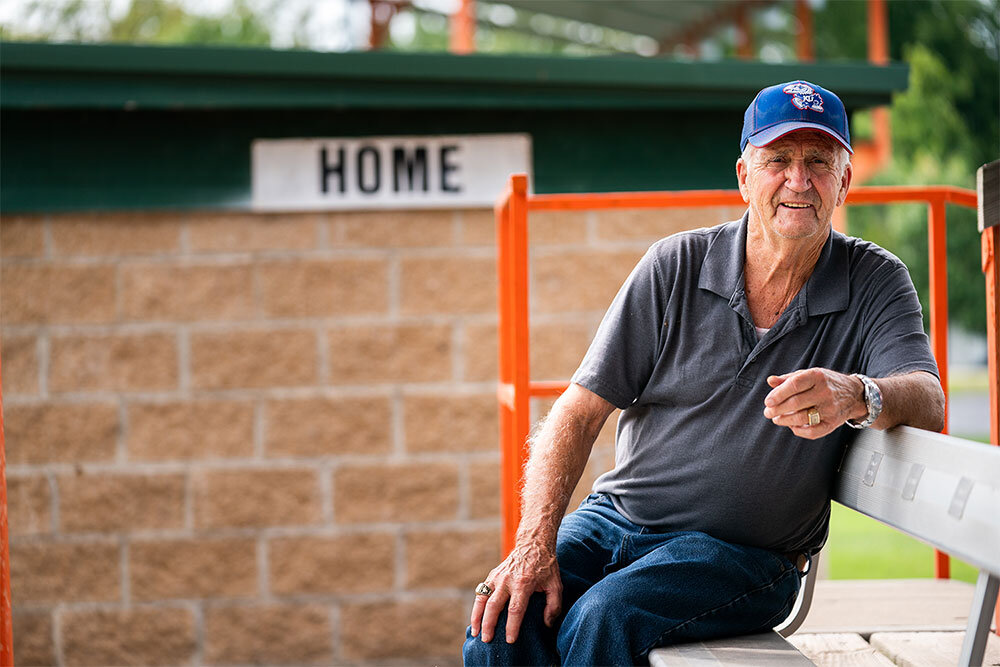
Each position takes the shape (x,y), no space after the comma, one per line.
(132,77)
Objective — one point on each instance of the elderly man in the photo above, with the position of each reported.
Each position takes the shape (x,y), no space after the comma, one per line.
(740,355)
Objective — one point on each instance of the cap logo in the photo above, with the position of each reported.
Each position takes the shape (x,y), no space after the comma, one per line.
(804,96)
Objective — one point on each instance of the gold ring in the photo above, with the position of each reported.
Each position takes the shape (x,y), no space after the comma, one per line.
(483,589)
(814,418)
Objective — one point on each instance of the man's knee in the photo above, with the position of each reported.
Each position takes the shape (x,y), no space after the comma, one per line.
(477,652)
(534,643)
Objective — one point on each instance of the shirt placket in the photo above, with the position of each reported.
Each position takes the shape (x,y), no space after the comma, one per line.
(750,347)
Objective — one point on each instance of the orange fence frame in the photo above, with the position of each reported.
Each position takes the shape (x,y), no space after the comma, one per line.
(515,389)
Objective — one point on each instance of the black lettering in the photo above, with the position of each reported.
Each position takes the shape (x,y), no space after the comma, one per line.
(401,161)
(325,169)
(447,168)
(376,161)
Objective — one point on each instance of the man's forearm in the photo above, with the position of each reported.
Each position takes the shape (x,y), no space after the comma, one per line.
(559,453)
(914,399)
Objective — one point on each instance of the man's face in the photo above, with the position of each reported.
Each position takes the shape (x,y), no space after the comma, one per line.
(794,184)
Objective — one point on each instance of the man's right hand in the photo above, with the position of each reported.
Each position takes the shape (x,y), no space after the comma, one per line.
(527,570)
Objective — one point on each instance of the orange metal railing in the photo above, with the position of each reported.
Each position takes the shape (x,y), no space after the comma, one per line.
(515,389)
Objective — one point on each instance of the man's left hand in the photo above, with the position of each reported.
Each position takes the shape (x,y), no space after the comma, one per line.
(837,398)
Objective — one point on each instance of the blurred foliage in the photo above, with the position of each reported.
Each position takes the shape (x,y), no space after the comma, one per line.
(164,22)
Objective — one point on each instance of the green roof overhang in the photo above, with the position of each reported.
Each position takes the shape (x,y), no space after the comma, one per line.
(168,78)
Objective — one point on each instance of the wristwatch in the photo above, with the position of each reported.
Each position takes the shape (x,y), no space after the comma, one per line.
(873,400)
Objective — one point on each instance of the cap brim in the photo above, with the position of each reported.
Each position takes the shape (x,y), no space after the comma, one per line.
(775,132)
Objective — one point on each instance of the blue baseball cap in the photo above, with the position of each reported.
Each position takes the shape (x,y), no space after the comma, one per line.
(796,105)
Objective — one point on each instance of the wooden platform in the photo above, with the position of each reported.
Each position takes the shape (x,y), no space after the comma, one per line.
(885,649)
(867,606)
(883,622)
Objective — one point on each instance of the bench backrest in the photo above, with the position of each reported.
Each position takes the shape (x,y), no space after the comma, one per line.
(938,488)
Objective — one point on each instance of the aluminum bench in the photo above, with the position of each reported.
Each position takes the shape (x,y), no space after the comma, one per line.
(938,488)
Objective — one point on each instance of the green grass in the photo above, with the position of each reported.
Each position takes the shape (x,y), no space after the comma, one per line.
(863,548)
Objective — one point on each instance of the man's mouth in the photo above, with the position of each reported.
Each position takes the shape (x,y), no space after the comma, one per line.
(795,205)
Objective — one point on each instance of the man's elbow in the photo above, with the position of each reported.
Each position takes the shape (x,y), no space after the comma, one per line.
(937,419)
(920,403)
(936,413)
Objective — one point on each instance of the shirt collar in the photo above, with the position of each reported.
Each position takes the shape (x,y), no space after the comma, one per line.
(827,290)
(722,268)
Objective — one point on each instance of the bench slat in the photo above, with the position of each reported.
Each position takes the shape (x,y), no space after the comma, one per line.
(766,649)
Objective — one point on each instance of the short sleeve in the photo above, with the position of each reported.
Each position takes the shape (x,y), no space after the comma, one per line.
(894,338)
(621,358)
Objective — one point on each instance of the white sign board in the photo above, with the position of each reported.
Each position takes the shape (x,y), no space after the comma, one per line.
(385,172)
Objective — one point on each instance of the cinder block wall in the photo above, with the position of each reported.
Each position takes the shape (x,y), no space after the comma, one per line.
(272,438)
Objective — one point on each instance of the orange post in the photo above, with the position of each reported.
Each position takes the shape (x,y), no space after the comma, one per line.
(988,213)
(512,264)
(991,267)
(6,622)
(938,251)
(508,486)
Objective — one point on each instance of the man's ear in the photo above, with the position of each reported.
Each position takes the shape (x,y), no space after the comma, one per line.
(845,183)
(741,178)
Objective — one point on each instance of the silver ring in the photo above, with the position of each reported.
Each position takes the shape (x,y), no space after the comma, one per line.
(484,589)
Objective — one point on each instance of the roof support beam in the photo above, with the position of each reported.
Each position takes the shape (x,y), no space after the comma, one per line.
(382,12)
(744,33)
(804,39)
(878,33)
(738,13)
(463,28)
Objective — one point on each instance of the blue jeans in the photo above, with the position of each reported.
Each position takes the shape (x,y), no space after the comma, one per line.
(628,589)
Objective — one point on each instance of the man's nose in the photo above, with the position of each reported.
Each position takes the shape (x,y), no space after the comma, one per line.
(797,176)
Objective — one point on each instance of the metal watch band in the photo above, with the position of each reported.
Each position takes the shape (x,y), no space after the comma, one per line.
(873,400)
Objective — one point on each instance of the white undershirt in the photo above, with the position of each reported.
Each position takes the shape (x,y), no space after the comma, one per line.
(761,331)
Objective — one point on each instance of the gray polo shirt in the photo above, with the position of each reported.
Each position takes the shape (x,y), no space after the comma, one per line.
(677,351)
